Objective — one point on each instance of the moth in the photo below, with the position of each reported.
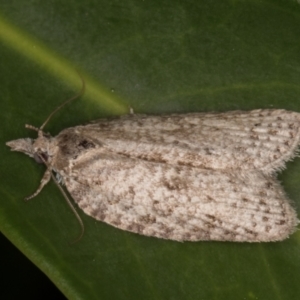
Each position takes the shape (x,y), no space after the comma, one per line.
(182,177)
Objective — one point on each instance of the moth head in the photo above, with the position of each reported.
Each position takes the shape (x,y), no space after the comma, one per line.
(37,149)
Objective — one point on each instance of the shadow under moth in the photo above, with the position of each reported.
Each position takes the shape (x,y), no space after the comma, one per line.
(183,177)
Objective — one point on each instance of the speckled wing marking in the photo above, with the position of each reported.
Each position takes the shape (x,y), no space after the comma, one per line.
(258,139)
(188,177)
(180,202)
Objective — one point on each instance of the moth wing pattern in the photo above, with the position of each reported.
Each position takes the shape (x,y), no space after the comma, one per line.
(180,203)
(187,177)
(246,140)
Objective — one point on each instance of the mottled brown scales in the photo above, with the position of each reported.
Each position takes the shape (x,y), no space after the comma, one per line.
(268,228)
(262,202)
(189,177)
(281,222)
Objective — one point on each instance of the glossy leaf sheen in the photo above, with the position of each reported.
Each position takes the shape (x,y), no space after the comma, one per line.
(157,57)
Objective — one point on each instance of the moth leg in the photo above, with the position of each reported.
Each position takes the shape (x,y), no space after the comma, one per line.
(44,181)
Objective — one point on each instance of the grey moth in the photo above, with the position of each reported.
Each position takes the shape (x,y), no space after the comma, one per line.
(183,177)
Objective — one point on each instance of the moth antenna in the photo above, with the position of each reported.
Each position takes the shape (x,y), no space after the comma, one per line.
(73,209)
(31,127)
(64,103)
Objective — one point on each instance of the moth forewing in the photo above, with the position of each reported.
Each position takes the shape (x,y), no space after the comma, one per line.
(183,177)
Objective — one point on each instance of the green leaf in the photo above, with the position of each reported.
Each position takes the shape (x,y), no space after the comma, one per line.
(157,57)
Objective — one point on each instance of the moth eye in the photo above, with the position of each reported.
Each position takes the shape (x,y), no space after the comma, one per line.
(40,157)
